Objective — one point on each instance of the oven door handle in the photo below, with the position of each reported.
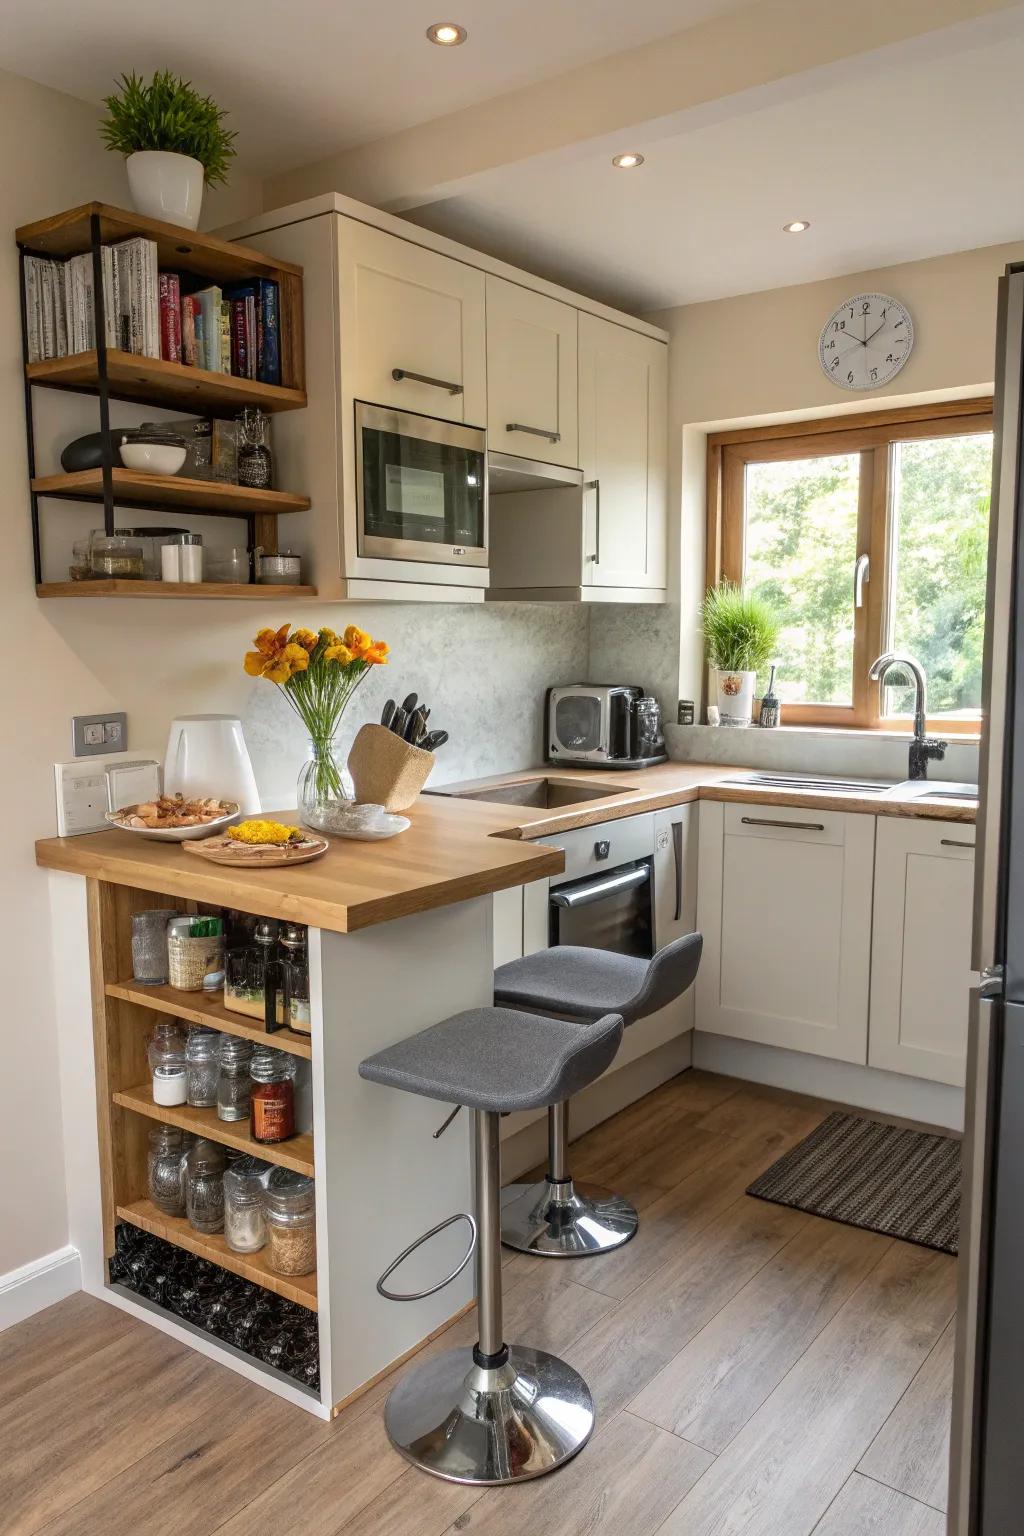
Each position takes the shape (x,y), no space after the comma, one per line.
(600,887)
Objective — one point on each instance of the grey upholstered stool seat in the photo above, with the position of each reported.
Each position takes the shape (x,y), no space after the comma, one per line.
(555,1217)
(495,1413)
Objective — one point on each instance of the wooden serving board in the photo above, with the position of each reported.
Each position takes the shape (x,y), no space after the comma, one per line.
(228,850)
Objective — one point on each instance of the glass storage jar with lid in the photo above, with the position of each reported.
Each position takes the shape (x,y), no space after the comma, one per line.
(116,556)
(203,1050)
(233,1085)
(204,1187)
(290,1210)
(167,1062)
(244,1227)
(163,1169)
(272,1097)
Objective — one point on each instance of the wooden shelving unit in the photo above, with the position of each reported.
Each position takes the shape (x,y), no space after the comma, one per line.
(296,1153)
(248,592)
(216,498)
(153,381)
(196,1008)
(251,1266)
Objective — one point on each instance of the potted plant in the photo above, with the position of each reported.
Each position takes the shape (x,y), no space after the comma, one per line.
(740,635)
(174,142)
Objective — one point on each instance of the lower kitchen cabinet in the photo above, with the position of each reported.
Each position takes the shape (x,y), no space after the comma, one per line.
(921,951)
(675,873)
(784,903)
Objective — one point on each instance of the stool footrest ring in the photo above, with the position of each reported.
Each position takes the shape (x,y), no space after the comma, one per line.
(449,1221)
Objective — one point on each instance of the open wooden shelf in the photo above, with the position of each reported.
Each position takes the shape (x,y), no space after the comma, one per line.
(207,496)
(252,591)
(296,1153)
(200,1008)
(152,381)
(251,1266)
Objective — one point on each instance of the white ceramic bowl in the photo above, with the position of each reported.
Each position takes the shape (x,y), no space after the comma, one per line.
(176,834)
(152,458)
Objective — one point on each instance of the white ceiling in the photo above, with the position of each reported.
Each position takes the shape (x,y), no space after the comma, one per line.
(908,161)
(310,77)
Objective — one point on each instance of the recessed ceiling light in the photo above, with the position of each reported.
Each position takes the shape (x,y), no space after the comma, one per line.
(628,161)
(447,34)
(797,227)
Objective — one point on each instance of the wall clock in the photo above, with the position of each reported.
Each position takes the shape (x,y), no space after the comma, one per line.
(866,341)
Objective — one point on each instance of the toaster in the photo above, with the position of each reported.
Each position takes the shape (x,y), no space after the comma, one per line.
(604,725)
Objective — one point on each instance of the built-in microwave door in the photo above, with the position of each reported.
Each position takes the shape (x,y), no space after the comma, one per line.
(421,487)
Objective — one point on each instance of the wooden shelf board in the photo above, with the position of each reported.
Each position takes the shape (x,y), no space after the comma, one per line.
(199,1008)
(297,1153)
(182,250)
(207,496)
(152,381)
(252,592)
(251,1266)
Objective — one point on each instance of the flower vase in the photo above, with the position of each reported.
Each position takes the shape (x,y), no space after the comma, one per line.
(325,787)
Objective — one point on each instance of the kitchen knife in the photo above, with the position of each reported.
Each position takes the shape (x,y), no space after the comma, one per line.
(399,721)
(434,740)
(387,713)
(409,702)
(417,727)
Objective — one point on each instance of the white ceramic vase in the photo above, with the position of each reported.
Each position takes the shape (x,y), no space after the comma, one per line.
(735,697)
(166,186)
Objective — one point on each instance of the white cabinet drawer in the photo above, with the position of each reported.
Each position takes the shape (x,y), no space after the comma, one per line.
(786,824)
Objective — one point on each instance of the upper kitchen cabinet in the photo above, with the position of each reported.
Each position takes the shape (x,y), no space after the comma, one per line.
(531,374)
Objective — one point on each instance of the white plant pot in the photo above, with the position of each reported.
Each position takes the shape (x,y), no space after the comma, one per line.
(735,696)
(166,186)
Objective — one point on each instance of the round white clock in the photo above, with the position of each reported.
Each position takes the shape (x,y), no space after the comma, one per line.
(866,342)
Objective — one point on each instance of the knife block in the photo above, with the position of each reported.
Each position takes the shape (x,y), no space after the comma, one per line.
(386,770)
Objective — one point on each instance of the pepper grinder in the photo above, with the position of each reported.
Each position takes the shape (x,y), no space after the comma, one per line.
(769,716)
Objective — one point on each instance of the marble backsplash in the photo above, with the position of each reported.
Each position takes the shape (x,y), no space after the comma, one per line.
(863,754)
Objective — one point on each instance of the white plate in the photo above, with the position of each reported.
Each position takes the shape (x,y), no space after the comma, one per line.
(387,826)
(176,834)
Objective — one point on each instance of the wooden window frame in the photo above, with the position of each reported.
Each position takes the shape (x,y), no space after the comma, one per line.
(872,435)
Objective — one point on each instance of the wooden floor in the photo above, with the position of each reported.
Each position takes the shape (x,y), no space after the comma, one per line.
(756,1371)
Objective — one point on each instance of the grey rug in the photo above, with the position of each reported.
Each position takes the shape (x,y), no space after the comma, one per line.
(902,1183)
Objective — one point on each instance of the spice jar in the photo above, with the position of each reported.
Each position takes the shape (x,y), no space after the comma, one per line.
(272,1098)
(290,1210)
(234,1084)
(167,1062)
(203,1053)
(244,1227)
(116,556)
(204,1187)
(163,1168)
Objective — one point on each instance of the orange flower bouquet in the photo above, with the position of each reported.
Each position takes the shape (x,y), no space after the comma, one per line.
(318,674)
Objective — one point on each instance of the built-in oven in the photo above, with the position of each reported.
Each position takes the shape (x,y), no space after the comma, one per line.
(604,897)
(421,487)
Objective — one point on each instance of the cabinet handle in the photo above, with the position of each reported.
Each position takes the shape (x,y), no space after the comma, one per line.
(677,849)
(595,486)
(791,826)
(517,426)
(424,378)
(953,842)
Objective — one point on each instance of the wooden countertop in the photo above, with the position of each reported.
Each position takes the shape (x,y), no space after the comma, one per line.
(456,847)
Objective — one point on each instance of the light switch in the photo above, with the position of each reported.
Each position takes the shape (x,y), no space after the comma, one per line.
(92,735)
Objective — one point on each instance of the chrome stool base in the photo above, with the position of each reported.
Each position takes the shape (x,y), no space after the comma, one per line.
(469,1424)
(565,1220)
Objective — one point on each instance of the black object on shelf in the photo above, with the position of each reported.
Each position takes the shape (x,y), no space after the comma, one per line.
(769,716)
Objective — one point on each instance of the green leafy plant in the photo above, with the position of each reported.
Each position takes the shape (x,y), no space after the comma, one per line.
(168,114)
(741,631)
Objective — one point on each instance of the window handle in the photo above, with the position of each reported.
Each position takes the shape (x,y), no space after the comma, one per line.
(398,374)
(861,575)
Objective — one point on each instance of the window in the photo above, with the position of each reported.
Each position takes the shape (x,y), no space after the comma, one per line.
(866,536)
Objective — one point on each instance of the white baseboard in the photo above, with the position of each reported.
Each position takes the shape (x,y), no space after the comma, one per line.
(887,1093)
(39,1284)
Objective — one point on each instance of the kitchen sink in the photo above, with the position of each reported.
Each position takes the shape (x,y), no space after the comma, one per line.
(823,785)
(547,794)
(938,789)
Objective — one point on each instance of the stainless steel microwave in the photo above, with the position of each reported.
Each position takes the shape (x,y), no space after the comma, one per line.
(421,487)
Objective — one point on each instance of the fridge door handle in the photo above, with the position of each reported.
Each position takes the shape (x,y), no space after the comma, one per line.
(991,981)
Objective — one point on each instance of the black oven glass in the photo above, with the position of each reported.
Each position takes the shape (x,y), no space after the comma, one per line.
(578,722)
(419,491)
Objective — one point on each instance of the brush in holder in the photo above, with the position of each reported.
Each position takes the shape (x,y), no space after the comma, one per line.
(386,770)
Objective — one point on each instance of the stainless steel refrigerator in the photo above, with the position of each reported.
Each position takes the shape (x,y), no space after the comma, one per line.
(987,1453)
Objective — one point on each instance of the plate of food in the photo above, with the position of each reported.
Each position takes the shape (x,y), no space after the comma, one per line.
(261,844)
(176,818)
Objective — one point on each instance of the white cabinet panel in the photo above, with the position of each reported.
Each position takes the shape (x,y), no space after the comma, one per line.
(784,903)
(921,953)
(675,873)
(531,374)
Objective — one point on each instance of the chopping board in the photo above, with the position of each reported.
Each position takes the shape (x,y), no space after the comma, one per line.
(228,850)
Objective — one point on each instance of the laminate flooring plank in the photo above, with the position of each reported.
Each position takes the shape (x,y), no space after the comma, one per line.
(790,1460)
(911,1451)
(611,1146)
(416,1504)
(771,1110)
(864,1508)
(57,1338)
(708,1391)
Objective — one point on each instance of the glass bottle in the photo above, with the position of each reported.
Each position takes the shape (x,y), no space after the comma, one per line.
(167,1062)
(272,1098)
(233,1084)
(295,974)
(255,462)
(204,1187)
(290,1211)
(163,1169)
(203,1051)
(244,1227)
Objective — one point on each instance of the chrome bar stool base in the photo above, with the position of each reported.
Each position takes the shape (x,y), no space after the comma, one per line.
(467,1423)
(563,1220)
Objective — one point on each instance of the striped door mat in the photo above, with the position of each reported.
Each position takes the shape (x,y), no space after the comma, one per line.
(886,1178)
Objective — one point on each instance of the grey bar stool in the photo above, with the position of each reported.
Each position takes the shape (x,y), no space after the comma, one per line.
(557,1218)
(494,1413)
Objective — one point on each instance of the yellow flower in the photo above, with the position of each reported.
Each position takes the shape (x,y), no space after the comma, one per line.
(376,655)
(339,653)
(356,639)
(304,637)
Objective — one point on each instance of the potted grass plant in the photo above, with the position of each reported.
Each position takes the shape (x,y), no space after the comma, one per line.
(174,143)
(740,635)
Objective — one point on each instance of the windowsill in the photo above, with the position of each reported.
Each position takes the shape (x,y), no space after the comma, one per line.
(868,732)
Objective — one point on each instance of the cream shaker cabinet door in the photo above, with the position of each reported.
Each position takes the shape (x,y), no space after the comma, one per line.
(408,310)
(675,889)
(531,374)
(784,903)
(921,953)
(623,384)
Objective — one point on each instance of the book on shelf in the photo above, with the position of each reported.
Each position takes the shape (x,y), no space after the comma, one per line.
(208,355)
(188,331)
(170,317)
(256,341)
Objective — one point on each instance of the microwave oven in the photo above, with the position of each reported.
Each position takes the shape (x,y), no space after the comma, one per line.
(604,725)
(421,487)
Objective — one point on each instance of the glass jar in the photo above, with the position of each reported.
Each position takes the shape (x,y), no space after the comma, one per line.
(272,1097)
(255,463)
(115,556)
(204,1187)
(149,945)
(325,792)
(289,1207)
(244,1227)
(233,1084)
(150,541)
(227,565)
(203,1054)
(167,1062)
(163,1168)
